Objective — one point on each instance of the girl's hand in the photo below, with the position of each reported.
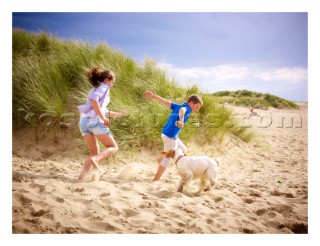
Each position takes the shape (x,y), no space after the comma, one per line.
(124,112)
(106,122)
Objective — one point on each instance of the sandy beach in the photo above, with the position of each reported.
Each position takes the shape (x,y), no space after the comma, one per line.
(262,186)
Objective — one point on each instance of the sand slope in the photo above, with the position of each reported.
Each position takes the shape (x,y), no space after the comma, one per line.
(262,187)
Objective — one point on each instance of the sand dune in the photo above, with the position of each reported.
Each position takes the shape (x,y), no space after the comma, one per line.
(262,186)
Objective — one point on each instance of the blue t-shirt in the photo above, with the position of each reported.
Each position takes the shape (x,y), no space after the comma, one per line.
(170,129)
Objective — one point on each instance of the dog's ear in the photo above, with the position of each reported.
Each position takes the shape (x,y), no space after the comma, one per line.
(170,153)
(164,154)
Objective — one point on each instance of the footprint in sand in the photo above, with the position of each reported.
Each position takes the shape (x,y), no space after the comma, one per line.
(261,212)
(255,194)
(271,214)
(278,193)
(59,199)
(22,199)
(283,209)
(218,199)
(298,228)
(165,194)
(112,210)
(40,188)
(96,218)
(130,213)
(266,213)
(247,231)
(71,230)
(151,204)
(23,190)
(105,194)
(248,200)
(146,205)
(39,213)
(79,189)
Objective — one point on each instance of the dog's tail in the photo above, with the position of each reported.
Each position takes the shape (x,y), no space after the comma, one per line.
(218,160)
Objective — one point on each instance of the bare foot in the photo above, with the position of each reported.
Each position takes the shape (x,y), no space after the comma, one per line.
(86,168)
(93,163)
(83,174)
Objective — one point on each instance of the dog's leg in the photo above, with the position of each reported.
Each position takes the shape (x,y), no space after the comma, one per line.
(212,183)
(186,178)
(211,175)
(181,184)
(201,186)
(209,187)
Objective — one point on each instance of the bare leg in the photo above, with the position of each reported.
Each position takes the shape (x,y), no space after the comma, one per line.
(85,170)
(93,146)
(159,173)
(111,148)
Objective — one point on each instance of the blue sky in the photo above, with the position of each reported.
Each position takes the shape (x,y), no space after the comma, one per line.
(260,51)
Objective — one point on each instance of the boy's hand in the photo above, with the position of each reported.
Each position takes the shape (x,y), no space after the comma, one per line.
(158,98)
(149,94)
(179,124)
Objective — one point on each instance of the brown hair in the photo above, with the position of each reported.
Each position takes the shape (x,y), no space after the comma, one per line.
(195,99)
(95,77)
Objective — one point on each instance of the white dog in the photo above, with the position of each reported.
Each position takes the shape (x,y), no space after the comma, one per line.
(194,167)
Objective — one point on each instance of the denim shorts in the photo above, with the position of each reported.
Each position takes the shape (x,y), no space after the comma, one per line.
(95,126)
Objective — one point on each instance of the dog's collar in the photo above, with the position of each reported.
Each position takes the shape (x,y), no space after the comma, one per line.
(178,159)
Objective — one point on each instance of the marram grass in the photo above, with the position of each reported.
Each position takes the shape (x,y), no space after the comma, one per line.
(255,99)
(49,81)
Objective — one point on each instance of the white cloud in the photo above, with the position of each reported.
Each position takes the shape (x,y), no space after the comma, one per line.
(233,72)
(226,72)
(253,77)
(284,74)
(215,74)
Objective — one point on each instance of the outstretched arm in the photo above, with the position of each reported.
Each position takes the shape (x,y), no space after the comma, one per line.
(117,114)
(164,101)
